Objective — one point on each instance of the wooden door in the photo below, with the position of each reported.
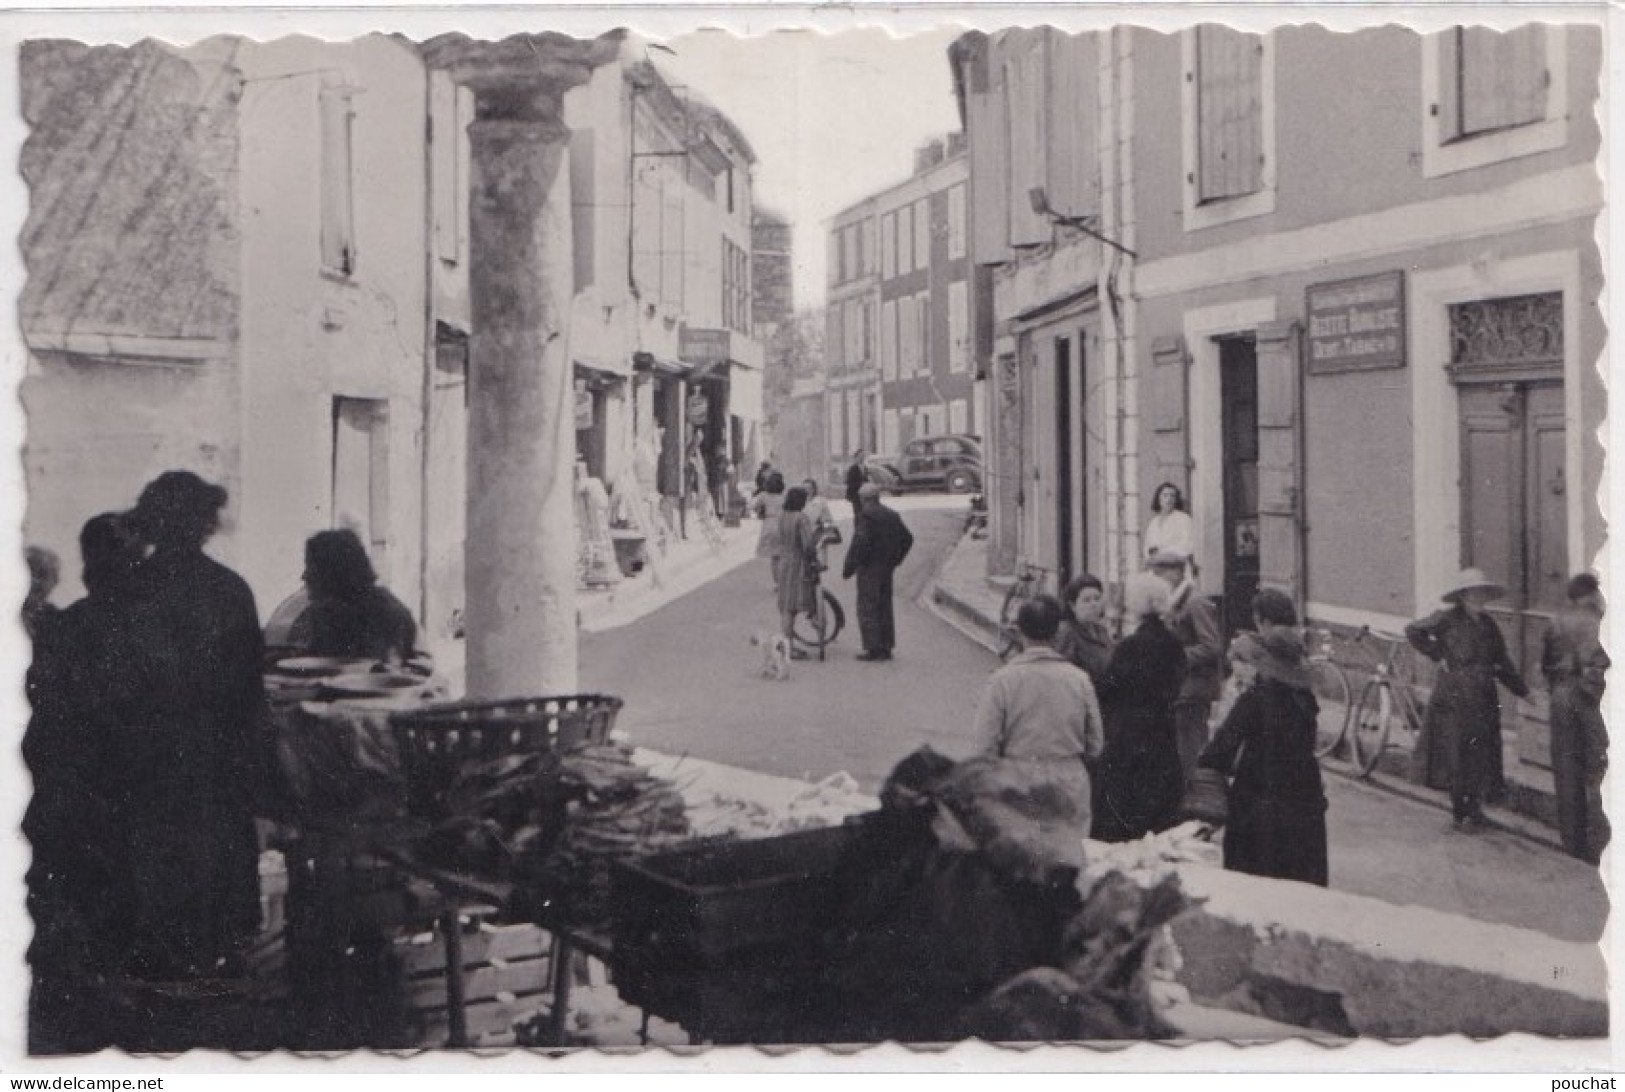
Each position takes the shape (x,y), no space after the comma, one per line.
(1238,393)
(1064,507)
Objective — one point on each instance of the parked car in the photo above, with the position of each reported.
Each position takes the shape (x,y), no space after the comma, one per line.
(952,462)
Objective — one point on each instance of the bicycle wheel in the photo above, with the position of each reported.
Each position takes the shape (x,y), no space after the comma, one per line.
(821,627)
(1368,731)
(1331,687)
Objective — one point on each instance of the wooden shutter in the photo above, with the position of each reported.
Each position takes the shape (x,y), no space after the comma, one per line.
(338,209)
(582,195)
(1026,67)
(1450,85)
(1280,486)
(1073,167)
(1229,113)
(1503,78)
(834,335)
(988,142)
(1166,409)
(888,339)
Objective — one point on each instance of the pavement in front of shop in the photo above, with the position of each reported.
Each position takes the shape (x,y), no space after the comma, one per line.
(1389,839)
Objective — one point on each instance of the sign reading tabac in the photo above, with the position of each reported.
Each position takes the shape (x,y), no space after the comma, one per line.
(1357,324)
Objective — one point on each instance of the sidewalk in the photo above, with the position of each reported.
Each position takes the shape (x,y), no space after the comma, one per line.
(689,563)
(965,597)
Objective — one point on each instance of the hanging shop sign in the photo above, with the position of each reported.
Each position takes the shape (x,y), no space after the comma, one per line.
(1356,324)
(702,347)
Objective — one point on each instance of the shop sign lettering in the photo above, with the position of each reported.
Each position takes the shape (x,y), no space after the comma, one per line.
(1357,324)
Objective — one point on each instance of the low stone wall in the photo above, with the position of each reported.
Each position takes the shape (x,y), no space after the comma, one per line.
(1347,965)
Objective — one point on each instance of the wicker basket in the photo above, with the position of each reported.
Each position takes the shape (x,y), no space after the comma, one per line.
(437,741)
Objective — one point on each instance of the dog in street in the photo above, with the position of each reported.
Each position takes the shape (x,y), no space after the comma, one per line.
(775,654)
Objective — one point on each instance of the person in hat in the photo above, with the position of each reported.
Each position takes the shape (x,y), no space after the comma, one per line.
(1040,707)
(1266,747)
(880,542)
(1576,668)
(1194,620)
(1138,784)
(192,770)
(1460,748)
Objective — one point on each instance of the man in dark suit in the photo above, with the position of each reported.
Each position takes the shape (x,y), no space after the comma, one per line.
(880,542)
(856,478)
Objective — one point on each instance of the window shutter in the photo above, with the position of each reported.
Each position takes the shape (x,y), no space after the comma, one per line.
(1166,411)
(1230,112)
(1026,73)
(582,191)
(1503,78)
(1280,499)
(338,209)
(1450,62)
(888,339)
(443,133)
(1073,184)
(834,337)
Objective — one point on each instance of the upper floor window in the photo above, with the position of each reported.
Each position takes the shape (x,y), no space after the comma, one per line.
(866,248)
(922,234)
(735,287)
(905,239)
(1492,95)
(956,222)
(1229,125)
(338,181)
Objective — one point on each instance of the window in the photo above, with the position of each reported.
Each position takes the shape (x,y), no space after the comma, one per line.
(866,231)
(888,246)
(834,336)
(908,335)
(849,253)
(735,287)
(452,109)
(889,434)
(956,222)
(922,234)
(888,340)
(867,343)
(922,311)
(1229,125)
(837,445)
(338,181)
(905,241)
(730,187)
(1492,95)
(957,419)
(958,322)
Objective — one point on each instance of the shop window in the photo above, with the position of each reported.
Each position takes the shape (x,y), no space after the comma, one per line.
(1229,125)
(1492,95)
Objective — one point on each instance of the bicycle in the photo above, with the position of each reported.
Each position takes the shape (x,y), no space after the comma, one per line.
(1331,686)
(1030,581)
(1386,702)
(820,627)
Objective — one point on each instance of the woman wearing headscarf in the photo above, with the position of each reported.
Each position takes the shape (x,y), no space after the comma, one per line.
(798,554)
(192,768)
(1460,748)
(1139,784)
(1266,746)
(350,613)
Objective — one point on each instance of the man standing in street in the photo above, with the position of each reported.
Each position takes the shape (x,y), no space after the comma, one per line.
(855,479)
(880,542)
(1193,619)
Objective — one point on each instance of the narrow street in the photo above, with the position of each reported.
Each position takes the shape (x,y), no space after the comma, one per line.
(690,680)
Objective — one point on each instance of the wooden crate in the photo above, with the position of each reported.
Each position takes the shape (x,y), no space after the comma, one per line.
(506,972)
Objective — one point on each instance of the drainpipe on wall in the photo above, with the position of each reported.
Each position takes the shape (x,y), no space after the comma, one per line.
(430,339)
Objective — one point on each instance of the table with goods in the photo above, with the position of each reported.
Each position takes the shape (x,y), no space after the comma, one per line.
(498,854)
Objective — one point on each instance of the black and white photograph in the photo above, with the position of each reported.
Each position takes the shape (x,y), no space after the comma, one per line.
(691,531)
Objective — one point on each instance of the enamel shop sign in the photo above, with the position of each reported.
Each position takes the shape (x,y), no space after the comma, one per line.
(1357,324)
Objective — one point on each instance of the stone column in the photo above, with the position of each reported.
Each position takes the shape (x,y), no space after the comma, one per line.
(521,546)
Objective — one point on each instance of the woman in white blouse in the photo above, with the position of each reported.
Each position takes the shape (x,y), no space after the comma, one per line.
(1171,528)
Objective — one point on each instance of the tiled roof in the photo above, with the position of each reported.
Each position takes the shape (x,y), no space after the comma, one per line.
(131,162)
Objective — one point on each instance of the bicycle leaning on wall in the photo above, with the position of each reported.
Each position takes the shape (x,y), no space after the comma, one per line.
(1031,580)
(1387,703)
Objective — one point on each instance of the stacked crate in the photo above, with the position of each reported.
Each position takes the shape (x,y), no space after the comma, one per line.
(506,979)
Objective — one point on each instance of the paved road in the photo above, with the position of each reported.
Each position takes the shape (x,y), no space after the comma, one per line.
(689,676)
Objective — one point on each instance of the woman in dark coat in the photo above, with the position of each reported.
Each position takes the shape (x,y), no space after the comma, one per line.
(1083,637)
(1277,823)
(1460,748)
(191,768)
(1139,785)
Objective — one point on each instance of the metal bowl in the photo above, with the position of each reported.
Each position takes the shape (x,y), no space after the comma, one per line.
(317,667)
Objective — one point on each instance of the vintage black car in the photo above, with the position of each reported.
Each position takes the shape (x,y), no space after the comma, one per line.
(950,461)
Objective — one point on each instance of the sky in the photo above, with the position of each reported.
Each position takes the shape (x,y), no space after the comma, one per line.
(832,118)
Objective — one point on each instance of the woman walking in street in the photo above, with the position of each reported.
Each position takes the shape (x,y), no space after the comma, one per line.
(1139,787)
(1461,734)
(767,505)
(1083,637)
(797,558)
(1266,746)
